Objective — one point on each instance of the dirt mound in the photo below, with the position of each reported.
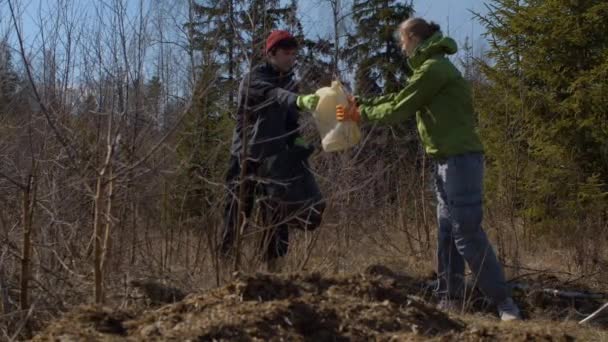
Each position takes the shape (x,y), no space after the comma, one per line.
(376,305)
(264,306)
(88,323)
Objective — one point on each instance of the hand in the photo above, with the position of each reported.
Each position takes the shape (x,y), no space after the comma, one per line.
(350,113)
(308,102)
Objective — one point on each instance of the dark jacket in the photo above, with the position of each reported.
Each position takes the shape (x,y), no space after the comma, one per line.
(270,98)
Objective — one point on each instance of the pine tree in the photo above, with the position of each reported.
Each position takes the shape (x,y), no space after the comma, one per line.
(152,97)
(543,110)
(315,64)
(372,49)
(215,34)
(8,78)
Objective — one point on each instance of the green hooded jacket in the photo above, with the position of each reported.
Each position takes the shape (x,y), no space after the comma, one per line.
(440,97)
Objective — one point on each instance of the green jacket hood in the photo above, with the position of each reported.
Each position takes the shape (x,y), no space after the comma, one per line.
(434,45)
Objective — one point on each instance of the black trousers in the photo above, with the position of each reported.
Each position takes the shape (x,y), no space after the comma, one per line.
(286,192)
(275,239)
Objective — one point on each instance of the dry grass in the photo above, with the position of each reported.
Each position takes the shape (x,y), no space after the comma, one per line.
(360,229)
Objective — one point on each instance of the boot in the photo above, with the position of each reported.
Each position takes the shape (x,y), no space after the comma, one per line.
(508,310)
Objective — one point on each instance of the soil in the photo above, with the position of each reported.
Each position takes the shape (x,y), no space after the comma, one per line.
(378,304)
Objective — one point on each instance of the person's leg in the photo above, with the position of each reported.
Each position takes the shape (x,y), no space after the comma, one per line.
(278,242)
(462,177)
(275,237)
(450,264)
(231,208)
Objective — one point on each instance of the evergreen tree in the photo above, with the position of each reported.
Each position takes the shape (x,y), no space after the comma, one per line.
(373,49)
(543,110)
(8,78)
(152,100)
(315,65)
(216,38)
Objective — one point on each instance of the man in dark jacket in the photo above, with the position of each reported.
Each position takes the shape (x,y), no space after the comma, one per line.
(273,159)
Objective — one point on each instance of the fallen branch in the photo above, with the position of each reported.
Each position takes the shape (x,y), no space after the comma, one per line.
(561,293)
(554,292)
(593,315)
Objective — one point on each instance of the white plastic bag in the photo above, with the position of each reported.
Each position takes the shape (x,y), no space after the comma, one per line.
(335,135)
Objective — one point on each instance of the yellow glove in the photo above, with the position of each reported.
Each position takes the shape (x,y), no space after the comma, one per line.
(307,102)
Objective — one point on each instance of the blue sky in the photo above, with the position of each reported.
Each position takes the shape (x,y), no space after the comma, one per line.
(453,16)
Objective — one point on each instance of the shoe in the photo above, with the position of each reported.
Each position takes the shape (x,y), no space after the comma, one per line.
(508,310)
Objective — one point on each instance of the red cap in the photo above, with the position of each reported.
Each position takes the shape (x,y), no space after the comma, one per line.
(276,36)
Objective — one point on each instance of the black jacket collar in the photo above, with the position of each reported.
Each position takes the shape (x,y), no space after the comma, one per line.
(268,71)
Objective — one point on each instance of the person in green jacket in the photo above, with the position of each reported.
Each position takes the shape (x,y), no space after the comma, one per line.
(441,100)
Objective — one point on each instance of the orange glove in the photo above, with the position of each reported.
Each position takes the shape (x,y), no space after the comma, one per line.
(350,113)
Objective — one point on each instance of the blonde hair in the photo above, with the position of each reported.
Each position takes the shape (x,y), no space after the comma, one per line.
(419,27)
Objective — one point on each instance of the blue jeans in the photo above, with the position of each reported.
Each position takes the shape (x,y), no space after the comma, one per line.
(459,188)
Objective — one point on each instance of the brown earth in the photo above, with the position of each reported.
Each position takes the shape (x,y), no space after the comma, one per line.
(375,305)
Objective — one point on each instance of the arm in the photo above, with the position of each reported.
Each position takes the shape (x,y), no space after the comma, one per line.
(260,94)
(266,93)
(419,91)
(284,98)
(373,101)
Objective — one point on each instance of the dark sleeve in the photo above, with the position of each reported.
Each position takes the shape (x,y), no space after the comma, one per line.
(292,126)
(260,93)
(284,98)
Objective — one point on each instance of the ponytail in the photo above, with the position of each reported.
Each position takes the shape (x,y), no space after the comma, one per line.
(420,28)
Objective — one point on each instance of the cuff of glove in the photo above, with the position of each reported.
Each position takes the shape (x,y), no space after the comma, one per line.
(363,113)
(299,141)
(307,102)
